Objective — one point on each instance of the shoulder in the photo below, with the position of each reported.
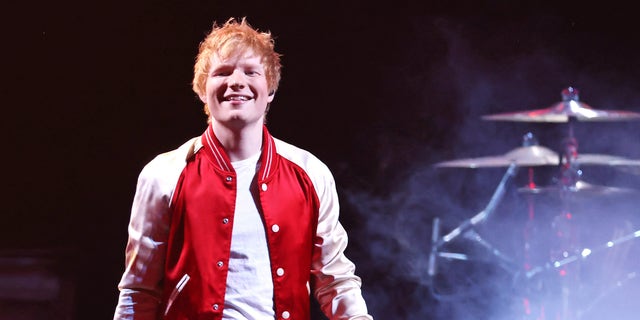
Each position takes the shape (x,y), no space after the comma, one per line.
(301,157)
(169,165)
(316,170)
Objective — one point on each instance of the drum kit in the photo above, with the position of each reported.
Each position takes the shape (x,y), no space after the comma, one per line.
(552,275)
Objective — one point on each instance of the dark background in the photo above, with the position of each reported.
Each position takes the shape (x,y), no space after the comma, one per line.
(380,92)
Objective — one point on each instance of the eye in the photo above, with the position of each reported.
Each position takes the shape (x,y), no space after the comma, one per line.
(252,73)
(220,73)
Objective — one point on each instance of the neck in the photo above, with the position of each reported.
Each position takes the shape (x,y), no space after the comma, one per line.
(240,143)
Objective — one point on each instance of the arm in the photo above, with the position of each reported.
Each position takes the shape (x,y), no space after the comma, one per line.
(140,286)
(335,285)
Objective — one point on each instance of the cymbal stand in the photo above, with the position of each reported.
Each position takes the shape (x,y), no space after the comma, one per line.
(530,310)
(563,224)
(582,254)
(578,257)
(570,172)
(466,229)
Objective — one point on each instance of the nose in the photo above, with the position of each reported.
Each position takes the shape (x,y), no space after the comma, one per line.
(236,79)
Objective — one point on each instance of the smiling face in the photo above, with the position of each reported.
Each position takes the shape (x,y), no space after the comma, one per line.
(226,46)
(236,91)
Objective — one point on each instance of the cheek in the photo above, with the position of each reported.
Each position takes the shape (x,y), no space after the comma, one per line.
(211,90)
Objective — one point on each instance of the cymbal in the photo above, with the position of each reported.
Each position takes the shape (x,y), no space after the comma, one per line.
(626,165)
(581,188)
(635,169)
(537,155)
(523,156)
(569,107)
(604,159)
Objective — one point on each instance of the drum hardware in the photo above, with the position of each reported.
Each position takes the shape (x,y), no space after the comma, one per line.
(567,185)
(537,155)
(466,230)
(525,156)
(623,281)
(579,188)
(579,304)
(606,160)
(569,108)
(581,255)
(484,214)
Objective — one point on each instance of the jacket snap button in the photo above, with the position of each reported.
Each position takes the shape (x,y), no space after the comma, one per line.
(264,187)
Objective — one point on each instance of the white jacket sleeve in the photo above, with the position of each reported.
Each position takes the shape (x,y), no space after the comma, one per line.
(141,283)
(336,287)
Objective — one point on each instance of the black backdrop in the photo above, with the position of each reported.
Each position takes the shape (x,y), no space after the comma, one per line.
(380,92)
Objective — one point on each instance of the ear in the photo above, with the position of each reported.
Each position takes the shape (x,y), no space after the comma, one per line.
(271,96)
(203,98)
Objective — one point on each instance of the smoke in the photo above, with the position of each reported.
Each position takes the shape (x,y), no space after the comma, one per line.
(456,73)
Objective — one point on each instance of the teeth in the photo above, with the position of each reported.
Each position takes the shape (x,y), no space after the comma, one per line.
(238,98)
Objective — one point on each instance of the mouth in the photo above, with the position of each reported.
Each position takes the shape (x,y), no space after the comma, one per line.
(237,98)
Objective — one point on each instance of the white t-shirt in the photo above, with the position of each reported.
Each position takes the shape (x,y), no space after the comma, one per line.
(249,292)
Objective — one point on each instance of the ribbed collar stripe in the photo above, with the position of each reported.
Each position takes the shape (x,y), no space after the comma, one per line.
(269,158)
(220,156)
(214,149)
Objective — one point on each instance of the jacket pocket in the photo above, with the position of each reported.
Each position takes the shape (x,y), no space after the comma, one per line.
(176,292)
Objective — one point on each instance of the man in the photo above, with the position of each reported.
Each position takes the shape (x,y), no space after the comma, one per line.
(236,224)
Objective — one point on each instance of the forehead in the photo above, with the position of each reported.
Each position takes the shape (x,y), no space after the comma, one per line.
(243,57)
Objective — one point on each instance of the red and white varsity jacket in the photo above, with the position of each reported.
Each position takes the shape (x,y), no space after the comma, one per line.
(180,235)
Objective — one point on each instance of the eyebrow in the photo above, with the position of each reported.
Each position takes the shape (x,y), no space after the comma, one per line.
(223,66)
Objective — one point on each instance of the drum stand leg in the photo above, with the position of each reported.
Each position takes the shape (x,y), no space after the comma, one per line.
(466,229)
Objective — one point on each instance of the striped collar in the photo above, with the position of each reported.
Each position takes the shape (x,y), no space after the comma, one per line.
(218,155)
